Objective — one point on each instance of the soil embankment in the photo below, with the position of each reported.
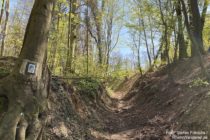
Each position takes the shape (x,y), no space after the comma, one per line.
(150,107)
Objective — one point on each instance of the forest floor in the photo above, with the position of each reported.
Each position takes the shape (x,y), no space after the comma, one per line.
(149,107)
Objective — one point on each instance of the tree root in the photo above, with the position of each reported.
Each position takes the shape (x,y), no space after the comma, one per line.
(9,123)
(21,129)
(17,126)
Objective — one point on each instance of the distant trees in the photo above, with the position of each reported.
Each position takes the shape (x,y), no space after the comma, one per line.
(13,25)
(92,34)
(85,33)
(168,28)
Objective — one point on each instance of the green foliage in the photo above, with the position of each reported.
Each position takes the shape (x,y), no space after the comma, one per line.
(206,33)
(88,86)
(120,74)
(198,82)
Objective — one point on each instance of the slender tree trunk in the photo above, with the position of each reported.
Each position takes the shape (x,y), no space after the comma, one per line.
(139,61)
(87,38)
(196,26)
(4,31)
(69,48)
(27,87)
(167,36)
(164,37)
(97,15)
(55,40)
(146,42)
(145,38)
(203,15)
(175,47)
(181,41)
(71,37)
(109,37)
(152,39)
(2,11)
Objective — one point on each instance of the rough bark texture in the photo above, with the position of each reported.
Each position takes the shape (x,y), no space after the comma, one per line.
(27,92)
(2,11)
(4,31)
(196,26)
(181,41)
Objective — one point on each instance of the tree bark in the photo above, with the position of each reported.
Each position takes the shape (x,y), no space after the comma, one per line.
(2,11)
(109,36)
(97,15)
(196,26)
(152,38)
(181,41)
(87,38)
(195,42)
(4,31)
(55,41)
(147,45)
(27,86)
(71,37)
(203,15)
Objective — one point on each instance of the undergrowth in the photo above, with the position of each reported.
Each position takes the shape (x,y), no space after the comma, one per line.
(198,82)
(88,86)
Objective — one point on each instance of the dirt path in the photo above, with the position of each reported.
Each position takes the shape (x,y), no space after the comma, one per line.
(147,108)
(127,120)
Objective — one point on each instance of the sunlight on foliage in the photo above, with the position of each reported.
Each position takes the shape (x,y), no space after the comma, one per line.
(199,83)
(88,86)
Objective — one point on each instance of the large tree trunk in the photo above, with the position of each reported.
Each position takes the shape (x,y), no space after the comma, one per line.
(27,86)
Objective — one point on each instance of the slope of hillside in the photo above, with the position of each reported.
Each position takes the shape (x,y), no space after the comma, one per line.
(150,107)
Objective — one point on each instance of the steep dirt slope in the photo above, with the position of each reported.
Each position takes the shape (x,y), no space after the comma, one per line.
(155,106)
(142,108)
